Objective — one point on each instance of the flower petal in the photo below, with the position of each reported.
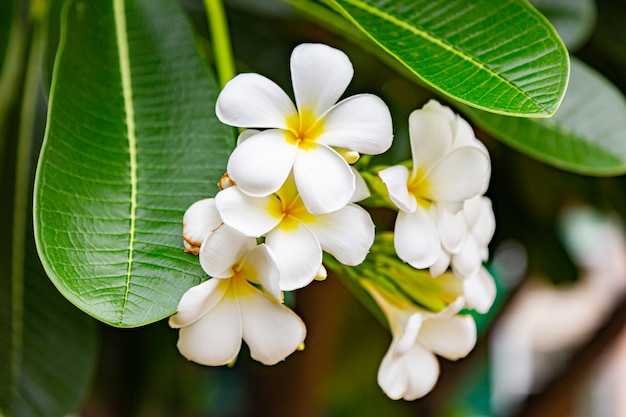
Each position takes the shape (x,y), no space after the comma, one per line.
(469,259)
(481,220)
(423,372)
(251,216)
(246,134)
(409,376)
(222,250)
(464,135)
(324,179)
(200,219)
(396,179)
(215,339)
(361,123)
(361,192)
(452,230)
(297,254)
(347,234)
(408,335)
(431,137)
(260,267)
(416,239)
(451,337)
(261,163)
(459,176)
(252,100)
(479,290)
(196,302)
(441,265)
(320,75)
(271,330)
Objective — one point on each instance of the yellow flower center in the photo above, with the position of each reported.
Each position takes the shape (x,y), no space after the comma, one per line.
(418,187)
(295,212)
(304,129)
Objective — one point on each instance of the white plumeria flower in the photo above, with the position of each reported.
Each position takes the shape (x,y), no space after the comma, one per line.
(467,248)
(410,369)
(296,236)
(216,315)
(304,137)
(449,166)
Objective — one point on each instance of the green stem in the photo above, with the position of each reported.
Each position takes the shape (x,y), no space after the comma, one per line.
(220,35)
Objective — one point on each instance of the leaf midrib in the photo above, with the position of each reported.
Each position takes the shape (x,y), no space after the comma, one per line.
(121,33)
(430,38)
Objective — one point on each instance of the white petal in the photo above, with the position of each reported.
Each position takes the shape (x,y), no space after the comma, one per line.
(483,223)
(271,330)
(469,259)
(196,302)
(464,135)
(442,264)
(320,75)
(215,339)
(452,230)
(251,216)
(423,372)
(459,176)
(261,163)
(431,137)
(324,179)
(297,254)
(347,234)
(451,337)
(260,267)
(396,179)
(251,100)
(479,290)
(436,107)
(416,239)
(360,123)
(246,134)
(409,376)
(361,192)
(408,336)
(200,219)
(222,250)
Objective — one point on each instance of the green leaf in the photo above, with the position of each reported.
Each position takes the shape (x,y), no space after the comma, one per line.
(573,20)
(6,23)
(47,350)
(587,135)
(132,141)
(502,57)
(47,347)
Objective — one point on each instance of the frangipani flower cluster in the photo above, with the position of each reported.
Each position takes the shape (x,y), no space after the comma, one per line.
(443,218)
(290,187)
(290,194)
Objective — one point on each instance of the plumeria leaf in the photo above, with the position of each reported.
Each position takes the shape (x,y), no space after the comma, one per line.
(504,58)
(6,24)
(132,141)
(574,20)
(586,135)
(47,346)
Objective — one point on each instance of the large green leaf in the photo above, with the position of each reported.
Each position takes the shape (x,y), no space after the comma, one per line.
(500,56)
(47,346)
(132,141)
(587,135)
